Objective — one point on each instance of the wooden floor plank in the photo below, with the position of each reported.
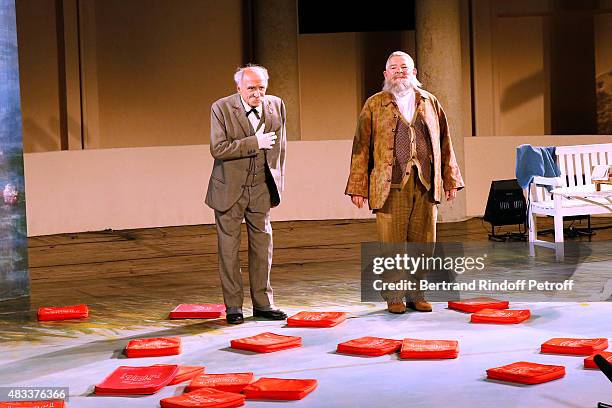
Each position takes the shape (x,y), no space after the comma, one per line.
(193,249)
(133,276)
(156,246)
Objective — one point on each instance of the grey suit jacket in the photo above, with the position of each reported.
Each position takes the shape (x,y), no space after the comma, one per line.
(233,143)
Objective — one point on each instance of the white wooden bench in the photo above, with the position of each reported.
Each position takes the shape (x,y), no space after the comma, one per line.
(573,194)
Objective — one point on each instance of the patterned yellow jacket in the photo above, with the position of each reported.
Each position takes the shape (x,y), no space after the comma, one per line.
(372,157)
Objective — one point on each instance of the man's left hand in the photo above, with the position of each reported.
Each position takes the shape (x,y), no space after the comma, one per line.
(451,194)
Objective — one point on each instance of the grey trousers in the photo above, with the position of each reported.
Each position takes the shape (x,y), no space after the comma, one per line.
(254,207)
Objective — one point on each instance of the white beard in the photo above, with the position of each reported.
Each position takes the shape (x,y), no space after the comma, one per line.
(398,88)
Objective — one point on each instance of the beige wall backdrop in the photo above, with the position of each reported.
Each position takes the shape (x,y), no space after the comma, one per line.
(142,75)
(512,64)
(149,70)
(522,87)
(142,187)
(603,69)
(510,68)
(330,85)
(159,70)
(37,43)
(163,186)
(603,44)
(332,77)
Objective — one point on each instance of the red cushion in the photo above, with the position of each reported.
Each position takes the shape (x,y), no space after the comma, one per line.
(524,372)
(185,373)
(63,312)
(230,382)
(204,397)
(198,311)
(137,380)
(414,348)
(316,319)
(589,362)
(500,316)
(279,389)
(266,342)
(153,347)
(577,347)
(33,404)
(475,304)
(369,346)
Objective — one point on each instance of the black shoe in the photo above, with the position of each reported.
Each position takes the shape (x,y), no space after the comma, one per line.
(234,318)
(270,314)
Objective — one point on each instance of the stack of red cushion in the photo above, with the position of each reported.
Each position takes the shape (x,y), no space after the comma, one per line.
(589,362)
(576,347)
(415,348)
(316,319)
(524,372)
(153,347)
(369,346)
(266,342)
(185,373)
(63,313)
(479,303)
(279,389)
(204,398)
(34,404)
(137,380)
(230,382)
(198,311)
(500,316)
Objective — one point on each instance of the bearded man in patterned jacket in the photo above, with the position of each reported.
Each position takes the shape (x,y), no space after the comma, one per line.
(403,163)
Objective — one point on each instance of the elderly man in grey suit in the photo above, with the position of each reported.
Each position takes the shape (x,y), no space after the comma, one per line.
(248,143)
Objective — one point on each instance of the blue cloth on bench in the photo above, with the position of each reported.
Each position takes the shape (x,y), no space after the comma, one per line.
(535,161)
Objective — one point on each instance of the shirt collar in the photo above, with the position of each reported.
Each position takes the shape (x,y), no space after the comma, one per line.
(248,107)
(410,96)
(389,98)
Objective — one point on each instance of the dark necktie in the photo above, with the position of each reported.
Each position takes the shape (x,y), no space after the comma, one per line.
(254,111)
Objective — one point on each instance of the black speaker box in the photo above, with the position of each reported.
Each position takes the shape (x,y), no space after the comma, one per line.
(506,204)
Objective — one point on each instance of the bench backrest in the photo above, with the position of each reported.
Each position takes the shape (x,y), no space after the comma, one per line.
(576,164)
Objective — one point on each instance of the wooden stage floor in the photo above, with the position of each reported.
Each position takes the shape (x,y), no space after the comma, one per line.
(143,272)
(131,279)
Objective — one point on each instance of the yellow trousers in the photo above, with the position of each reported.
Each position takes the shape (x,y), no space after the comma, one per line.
(409,215)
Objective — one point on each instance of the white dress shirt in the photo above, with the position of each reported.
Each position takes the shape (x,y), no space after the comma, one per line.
(406,105)
(252,118)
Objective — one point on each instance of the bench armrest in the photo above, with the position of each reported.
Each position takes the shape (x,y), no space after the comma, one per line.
(548,181)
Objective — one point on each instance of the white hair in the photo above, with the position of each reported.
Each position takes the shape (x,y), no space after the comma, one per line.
(240,72)
(414,81)
(399,54)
